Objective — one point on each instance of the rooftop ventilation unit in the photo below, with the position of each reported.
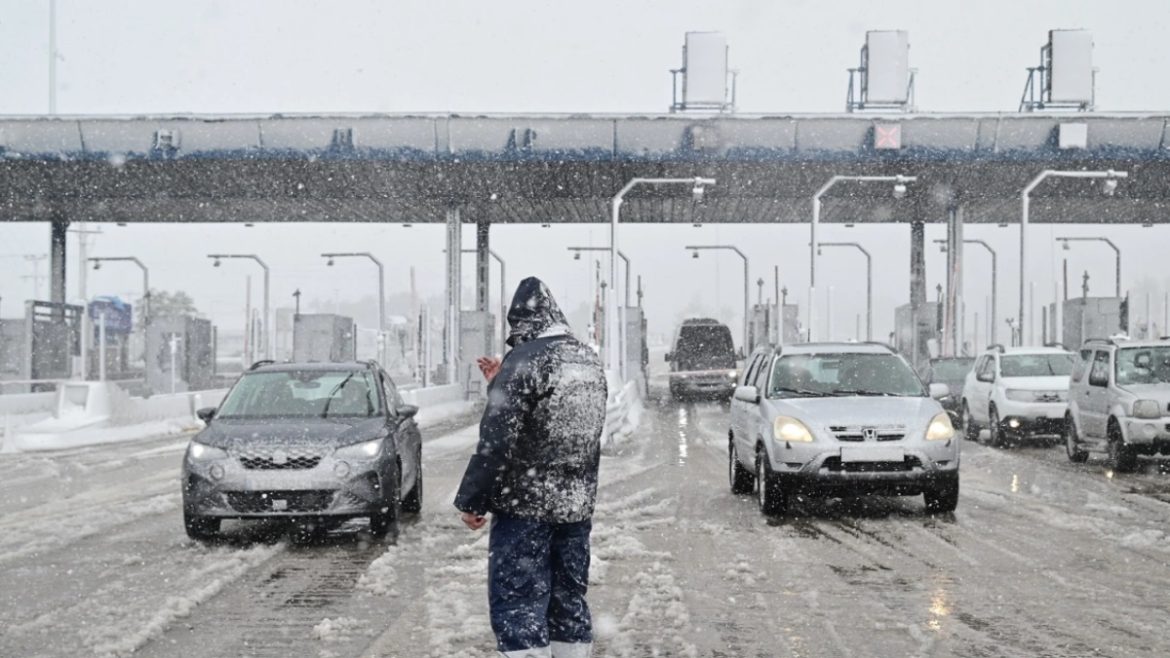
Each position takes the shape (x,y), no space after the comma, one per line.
(704,75)
(1065,78)
(884,79)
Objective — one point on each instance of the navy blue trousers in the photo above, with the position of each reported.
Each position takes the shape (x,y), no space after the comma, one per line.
(538,574)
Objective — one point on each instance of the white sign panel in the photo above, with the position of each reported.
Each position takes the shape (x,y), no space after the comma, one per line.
(706,68)
(888,72)
(1071,77)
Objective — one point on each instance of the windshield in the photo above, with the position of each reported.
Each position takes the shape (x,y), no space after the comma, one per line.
(1036,365)
(703,347)
(950,370)
(302,394)
(1143,365)
(844,375)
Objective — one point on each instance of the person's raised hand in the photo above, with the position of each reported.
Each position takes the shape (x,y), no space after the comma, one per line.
(489,366)
(473,521)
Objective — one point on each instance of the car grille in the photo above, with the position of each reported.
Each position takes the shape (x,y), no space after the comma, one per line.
(835,465)
(278,458)
(859,433)
(257,502)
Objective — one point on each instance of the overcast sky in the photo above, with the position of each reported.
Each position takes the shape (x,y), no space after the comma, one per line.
(134,57)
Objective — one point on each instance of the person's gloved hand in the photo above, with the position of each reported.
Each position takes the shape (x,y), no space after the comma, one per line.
(473,521)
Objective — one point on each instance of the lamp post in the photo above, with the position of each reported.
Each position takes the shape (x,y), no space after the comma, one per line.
(216,258)
(868,282)
(695,249)
(1109,188)
(381,295)
(698,184)
(1116,254)
(994,282)
(144,314)
(899,182)
(577,256)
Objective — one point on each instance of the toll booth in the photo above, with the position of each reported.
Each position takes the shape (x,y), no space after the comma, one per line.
(41,346)
(476,339)
(763,329)
(919,344)
(118,320)
(1092,317)
(790,329)
(323,337)
(180,354)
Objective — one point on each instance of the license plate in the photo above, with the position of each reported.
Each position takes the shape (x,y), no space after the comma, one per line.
(279,505)
(872,454)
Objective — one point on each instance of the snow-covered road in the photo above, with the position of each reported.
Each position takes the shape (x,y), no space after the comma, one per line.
(1043,557)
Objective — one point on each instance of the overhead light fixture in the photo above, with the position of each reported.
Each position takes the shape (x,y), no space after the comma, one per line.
(97,265)
(576,255)
(407,225)
(545,225)
(329,263)
(697,225)
(849,225)
(215,263)
(1147,224)
(1003,225)
(695,254)
(1064,245)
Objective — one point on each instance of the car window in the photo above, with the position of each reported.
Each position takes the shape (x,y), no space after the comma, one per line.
(302,394)
(750,371)
(1099,376)
(1143,365)
(393,399)
(844,374)
(950,370)
(1036,365)
(987,370)
(760,381)
(1082,365)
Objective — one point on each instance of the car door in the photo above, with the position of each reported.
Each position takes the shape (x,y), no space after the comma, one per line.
(406,434)
(980,399)
(755,416)
(1095,401)
(740,410)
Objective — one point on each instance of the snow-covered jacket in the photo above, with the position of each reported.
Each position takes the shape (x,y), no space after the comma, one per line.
(540,436)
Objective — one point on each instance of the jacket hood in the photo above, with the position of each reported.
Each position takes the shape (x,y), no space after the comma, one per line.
(534,312)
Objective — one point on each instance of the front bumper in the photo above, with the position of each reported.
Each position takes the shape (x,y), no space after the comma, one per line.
(333,487)
(1154,432)
(832,467)
(702,386)
(1032,415)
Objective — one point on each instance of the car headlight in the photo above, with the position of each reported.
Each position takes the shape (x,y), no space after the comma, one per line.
(785,428)
(940,428)
(1147,409)
(1017,395)
(203,452)
(364,450)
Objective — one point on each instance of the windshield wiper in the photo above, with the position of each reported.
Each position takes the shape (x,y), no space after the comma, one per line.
(800,391)
(341,384)
(842,392)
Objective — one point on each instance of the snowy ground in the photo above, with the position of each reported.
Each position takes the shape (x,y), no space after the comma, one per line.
(1043,557)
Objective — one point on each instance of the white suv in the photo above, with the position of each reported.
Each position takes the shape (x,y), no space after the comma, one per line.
(1017,391)
(1120,401)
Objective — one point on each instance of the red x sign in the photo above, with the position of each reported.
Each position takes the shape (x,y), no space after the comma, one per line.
(887,136)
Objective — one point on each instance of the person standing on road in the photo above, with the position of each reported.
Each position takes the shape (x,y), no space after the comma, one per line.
(535,472)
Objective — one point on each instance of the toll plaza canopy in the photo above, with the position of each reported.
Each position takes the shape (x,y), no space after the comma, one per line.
(565,168)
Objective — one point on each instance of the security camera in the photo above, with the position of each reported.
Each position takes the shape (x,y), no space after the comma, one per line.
(1110,187)
(697,192)
(899,190)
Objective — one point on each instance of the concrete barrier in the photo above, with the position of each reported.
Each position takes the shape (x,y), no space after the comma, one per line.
(16,404)
(433,395)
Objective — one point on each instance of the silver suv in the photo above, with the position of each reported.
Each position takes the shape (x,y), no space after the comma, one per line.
(839,419)
(1119,401)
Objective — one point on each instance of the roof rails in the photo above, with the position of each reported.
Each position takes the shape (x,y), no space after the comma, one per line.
(879,344)
(1100,341)
(998,347)
(261,362)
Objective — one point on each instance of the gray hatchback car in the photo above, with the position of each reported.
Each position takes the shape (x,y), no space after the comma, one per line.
(320,442)
(840,419)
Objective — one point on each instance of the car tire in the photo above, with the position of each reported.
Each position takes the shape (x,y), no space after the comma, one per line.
(412,504)
(200,528)
(943,496)
(385,518)
(1072,442)
(970,427)
(769,492)
(742,480)
(995,436)
(1123,458)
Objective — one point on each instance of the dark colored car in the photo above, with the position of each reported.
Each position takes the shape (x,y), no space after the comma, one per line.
(702,361)
(951,371)
(316,442)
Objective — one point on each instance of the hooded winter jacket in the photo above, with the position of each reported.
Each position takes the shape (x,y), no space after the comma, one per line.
(540,437)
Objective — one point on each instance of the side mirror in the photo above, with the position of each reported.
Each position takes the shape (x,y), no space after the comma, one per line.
(407,410)
(206,414)
(749,394)
(939,391)
(668,357)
